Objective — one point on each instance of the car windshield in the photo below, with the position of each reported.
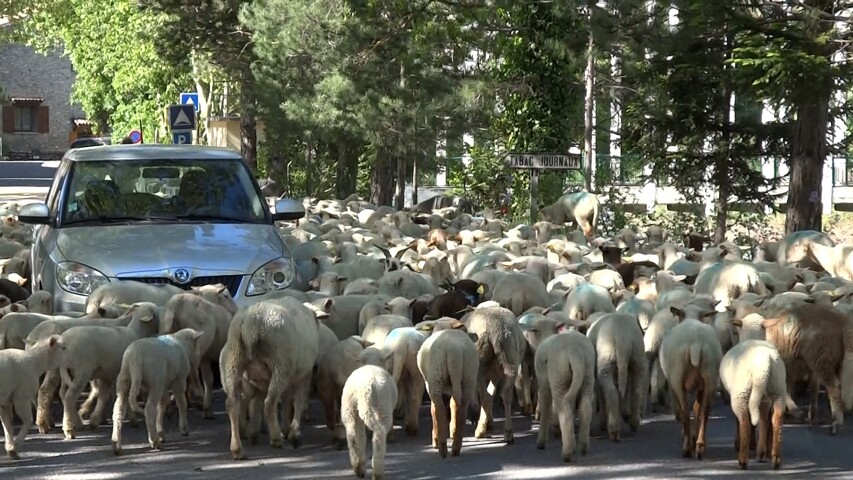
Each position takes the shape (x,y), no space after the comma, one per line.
(184,190)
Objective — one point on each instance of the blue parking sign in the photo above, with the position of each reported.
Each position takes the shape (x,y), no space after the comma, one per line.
(184,137)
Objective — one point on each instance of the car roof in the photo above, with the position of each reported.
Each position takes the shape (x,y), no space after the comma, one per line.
(150,152)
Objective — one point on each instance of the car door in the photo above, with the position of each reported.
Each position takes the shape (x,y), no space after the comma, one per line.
(41,233)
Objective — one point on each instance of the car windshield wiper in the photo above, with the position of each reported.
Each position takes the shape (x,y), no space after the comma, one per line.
(210,217)
(110,219)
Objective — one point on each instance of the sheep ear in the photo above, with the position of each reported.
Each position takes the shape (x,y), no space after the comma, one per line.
(528,327)
(546,311)
(679,278)
(736,323)
(342,279)
(327,305)
(560,326)
(677,312)
(457,325)
(315,260)
(710,313)
(807,300)
(53,341)
(146,316)
(771,322)
(197,334)
(102,312)
(411,302)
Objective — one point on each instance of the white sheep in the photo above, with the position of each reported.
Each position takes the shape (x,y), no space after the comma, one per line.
(690,358)
(275,344)
(584,300)
(95,352)
(127,292)
(210,312)
(754,375)
(449,364)
(369,397)
(381,325)
(565,371)
(334,366)
(158,365)
(620,356)
(520,291)
(20,370)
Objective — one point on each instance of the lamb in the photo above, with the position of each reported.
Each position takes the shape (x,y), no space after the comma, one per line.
(642,310)
(12,290)
(381,325)
(754,375)
(362,286)
(95,352)
(157,364)
(39,301)
(500,348)
(369,396)
(275,344)
(210,312)
(620,356)
(405,283)
(128,292)
(449,364)
(343,312)
(15,327)
(20,370)
(690,357)
(565,370)
(587,299)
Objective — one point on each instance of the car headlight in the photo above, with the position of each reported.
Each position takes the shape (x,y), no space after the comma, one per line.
(78,279)
(275,275)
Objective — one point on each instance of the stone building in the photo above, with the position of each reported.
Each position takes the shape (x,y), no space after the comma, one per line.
(38,120)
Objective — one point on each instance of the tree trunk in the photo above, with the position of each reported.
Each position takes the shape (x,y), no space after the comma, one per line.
(400,192)
(248,125)
(415,181)
(381,192)
(341,172)
(309,166)
(723,156)
(589,105)
(808,153)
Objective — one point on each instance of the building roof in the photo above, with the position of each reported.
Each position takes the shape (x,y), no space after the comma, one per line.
(26,99)
(151,152)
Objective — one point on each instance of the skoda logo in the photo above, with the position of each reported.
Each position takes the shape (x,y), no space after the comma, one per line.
(182,275)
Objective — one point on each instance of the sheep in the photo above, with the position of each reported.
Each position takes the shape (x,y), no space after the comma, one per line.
(565,371)
(369,396)
(39,301)
(620,356)
(608,278)
(729,280)
(587,299)
(455,302)
(343,312)
(15,327)
(405,283)
(128,292)
(276,345)
(12,290)
(334,366)
(95,352)
(157,364)
(20,370)
(690,358)
(449,364)
(381,325)
(821,339)
(500,347)
(754,375)
(642,310)
(210,312)
(578,207)
(362,286)
(403,345)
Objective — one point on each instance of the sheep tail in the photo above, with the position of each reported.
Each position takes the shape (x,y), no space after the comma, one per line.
(2,341)
(250,336)
(510,368)
(455,375)
(622,360)
(577,366)
(695,354)
(135,373)
(755,397)
(847,379)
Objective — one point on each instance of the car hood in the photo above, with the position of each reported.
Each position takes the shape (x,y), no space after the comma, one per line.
(205,249)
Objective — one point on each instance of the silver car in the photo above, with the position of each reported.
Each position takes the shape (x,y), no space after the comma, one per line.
(183,215)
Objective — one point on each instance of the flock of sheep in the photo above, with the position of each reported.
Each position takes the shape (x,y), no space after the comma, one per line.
(389,305)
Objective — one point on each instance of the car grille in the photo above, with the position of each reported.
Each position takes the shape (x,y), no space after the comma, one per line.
(230,281)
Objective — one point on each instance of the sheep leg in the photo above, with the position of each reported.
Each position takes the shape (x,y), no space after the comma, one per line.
(682,414)
(86,407)
(507,390)
(638,400)
(7,419)
(776,425)
(814,391)
(442,425)
(161,412)
(761,449)
(151,406)
(566,417)
(434,425)
(356,440)
(833,392)
(207,378)
(271,402)
(486,405)
(24,408)
(584,418)
(381,426)
(104,392)
(47,391)
(610,395)
(119,409)
(744,431)
(416,394)
(71,418)
(232,377)
(300,403)
(703,399)
(256,417)
(457,424)
(546,408)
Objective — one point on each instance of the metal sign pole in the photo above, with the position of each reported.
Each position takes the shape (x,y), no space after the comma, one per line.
(534,194)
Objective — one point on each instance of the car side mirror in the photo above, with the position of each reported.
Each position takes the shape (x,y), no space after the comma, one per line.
(37,213)
(288,209)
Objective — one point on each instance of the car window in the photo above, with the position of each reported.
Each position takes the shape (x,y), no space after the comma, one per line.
(53,193)
(162,191)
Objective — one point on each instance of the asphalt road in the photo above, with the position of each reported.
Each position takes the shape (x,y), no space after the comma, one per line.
(653,453)
(26,174)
